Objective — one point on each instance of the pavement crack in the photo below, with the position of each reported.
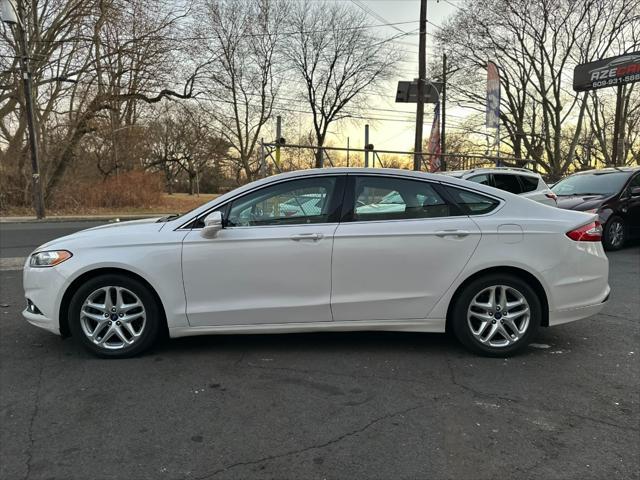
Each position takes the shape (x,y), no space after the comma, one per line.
(36,409)
(472,390)
(619,317)
(603,422)
(314,447)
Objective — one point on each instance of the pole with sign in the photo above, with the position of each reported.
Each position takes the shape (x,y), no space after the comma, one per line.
(493,103)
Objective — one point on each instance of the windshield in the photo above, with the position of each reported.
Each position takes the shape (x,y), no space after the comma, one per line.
(591,184)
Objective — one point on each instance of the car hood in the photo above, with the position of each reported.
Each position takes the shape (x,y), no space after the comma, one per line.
(582,202)
(110,234)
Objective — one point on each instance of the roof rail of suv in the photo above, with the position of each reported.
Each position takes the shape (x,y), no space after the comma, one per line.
(519,169)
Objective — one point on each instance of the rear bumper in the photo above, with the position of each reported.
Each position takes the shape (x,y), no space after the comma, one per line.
(559,317)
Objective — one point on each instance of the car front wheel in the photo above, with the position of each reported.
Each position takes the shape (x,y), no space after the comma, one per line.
(114,316)
(496,315)
(614,234)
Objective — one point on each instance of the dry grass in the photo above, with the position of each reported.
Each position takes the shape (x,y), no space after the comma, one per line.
(176,203)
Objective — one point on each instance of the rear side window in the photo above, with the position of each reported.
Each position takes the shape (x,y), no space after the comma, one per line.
(508,183)
(482,179)
(529,184)
(472,203)
(387,198)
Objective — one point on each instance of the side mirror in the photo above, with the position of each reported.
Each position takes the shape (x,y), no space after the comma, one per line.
(212,225)
(635,192)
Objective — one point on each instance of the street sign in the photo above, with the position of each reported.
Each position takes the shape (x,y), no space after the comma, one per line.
(609,72)
(408,92)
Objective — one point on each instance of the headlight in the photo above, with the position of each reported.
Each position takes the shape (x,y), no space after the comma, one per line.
(49,259)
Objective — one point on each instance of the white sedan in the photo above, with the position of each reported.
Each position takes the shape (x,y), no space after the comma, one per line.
(451,255)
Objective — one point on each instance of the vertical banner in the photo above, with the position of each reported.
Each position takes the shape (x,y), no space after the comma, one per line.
(493,102)
(435,162)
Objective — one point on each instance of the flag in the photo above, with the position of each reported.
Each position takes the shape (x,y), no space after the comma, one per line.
(435,162)
(493,96)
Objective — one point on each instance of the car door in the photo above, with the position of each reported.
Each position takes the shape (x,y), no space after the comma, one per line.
(631,206)
(271,263)
(394,261)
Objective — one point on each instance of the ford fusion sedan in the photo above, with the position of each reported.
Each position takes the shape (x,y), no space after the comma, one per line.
(612,193)
(440,254)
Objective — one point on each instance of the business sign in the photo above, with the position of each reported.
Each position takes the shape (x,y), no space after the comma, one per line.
(609,72)
(493,96)
(408,92)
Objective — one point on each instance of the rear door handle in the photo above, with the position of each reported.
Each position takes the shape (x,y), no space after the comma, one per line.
(452,233)
(306,236)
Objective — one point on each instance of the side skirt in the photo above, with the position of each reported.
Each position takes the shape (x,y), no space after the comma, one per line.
(430,325)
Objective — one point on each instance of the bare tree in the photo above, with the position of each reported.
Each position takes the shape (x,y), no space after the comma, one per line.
(536,43)
(243,42)
(337,59)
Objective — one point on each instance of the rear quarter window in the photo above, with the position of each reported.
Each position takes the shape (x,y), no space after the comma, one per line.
(472,203)
(529,184)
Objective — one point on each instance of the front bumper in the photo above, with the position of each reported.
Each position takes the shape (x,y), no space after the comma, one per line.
(44,287)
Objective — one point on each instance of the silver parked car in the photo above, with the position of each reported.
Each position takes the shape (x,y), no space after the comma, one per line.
(514,180)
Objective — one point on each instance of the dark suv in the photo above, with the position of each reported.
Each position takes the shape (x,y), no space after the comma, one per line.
(612,193)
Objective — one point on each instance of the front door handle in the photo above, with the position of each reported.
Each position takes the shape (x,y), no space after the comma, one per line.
(452,233)
(306,236)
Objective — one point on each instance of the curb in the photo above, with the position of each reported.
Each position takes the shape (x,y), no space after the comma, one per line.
(80,218)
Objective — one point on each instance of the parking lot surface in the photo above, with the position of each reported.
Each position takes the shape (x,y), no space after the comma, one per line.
(342,405)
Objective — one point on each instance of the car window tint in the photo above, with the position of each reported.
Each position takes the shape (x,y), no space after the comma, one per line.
(529,183)
(287,203)
(472,203)
(482,179)
(386,198)
(635,182)
(506,182)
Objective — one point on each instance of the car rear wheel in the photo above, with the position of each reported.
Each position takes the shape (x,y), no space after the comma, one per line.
(114,316)
(496,315)
(614,234)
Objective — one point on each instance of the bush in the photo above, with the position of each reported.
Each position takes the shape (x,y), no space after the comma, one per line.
(130,189)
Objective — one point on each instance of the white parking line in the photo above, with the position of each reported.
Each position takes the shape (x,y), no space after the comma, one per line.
(12,263)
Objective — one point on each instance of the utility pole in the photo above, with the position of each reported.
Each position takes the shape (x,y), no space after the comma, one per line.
(348,149)
(278,138)
(422,74)
(443,112)
(14,18)
(616,127)
(366,146)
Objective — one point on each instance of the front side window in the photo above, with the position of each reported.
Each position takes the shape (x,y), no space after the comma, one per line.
(386,198)
(472,203)
(506,182)
(289,203)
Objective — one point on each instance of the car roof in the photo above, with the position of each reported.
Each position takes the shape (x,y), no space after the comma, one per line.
(346,170)
(602,171)
(507,170)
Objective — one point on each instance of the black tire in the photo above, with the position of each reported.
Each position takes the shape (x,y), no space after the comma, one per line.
(610,240)
(462,330)
(153,317)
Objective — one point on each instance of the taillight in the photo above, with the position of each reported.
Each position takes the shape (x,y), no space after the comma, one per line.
(551,195)
(592,232)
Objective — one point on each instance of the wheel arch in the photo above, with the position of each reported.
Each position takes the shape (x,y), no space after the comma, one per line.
(515,271)
(86,276)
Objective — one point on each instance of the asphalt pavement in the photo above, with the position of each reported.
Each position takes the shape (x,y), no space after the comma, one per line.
(314,406)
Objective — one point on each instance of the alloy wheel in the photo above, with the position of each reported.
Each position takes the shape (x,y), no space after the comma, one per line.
(498,316)
(616,234)
(113,317)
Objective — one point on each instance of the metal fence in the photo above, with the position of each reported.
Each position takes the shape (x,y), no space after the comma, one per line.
(272,154)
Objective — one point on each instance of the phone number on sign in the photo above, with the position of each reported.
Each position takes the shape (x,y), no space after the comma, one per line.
(616,81)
